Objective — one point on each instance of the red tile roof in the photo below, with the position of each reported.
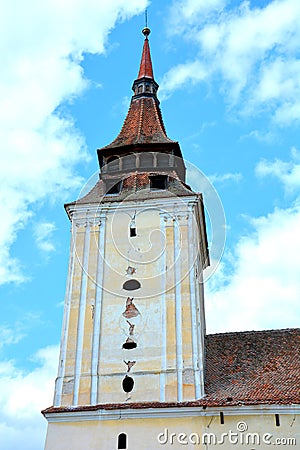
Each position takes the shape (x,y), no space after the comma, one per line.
(143,124)
(244,368)
(253,367)
(146,63)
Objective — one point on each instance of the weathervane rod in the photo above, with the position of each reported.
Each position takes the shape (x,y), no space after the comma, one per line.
(146,18)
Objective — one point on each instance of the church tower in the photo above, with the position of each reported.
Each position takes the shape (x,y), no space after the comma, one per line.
(134,325)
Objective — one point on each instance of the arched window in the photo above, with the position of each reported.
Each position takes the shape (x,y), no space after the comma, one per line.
(122,441)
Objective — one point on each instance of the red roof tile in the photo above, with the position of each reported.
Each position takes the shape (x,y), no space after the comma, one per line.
(143,124)
(254,366)
(146,63)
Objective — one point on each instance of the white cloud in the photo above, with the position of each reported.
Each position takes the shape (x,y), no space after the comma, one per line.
(183,12)
(215,215)
(42,45)
(43,236)
(189,73)
(30,392)
(267,137)
(279,84)
(21,423)
(258,286)
(253,49)
(15,331)
(235,177)
(288,173)
(207,125)
(10,335)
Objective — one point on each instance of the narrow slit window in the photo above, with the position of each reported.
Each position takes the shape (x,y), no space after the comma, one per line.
(122,441)
(132,231)
(277,420)
(221,418)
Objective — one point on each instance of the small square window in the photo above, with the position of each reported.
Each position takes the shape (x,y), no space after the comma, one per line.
(113,187)
(158,182)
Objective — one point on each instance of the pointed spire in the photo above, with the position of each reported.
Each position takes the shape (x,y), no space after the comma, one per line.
(145,85)
(146,69)
(144,124)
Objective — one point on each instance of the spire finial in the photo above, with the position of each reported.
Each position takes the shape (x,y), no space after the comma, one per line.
(146,31)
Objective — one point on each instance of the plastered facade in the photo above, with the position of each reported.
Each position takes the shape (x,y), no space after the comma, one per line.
(162,317)
(178,430)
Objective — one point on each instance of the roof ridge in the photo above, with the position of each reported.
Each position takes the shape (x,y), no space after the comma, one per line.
(253,331)
(141,118)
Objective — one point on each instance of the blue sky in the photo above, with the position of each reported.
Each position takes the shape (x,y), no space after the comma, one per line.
(229,76)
